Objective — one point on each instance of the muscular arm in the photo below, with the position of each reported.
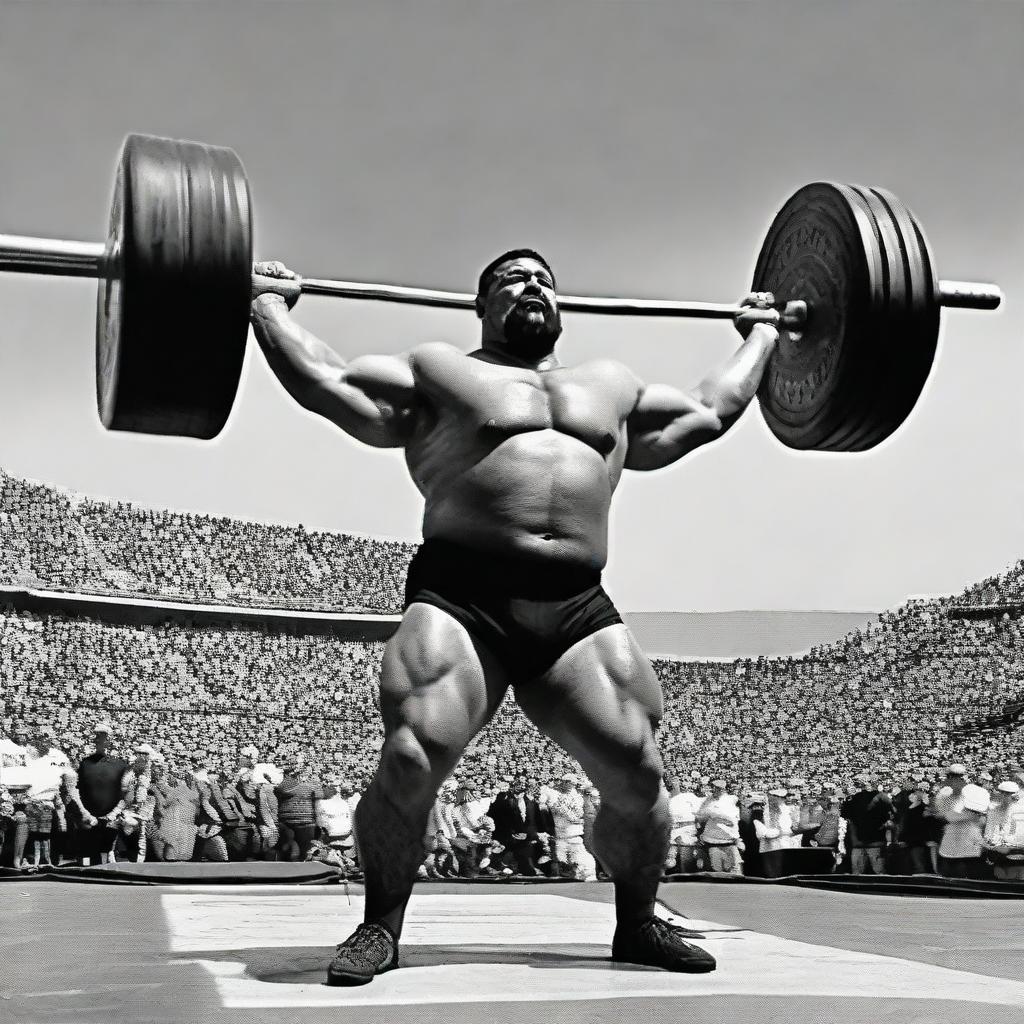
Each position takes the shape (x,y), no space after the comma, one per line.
(668,423)
(372,397)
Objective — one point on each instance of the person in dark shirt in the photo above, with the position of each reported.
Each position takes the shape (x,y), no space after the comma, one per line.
(99,787)
(916,831)
(296,796)
(868,813)
(516,818)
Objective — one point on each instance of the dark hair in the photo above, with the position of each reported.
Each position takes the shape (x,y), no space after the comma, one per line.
(487,274)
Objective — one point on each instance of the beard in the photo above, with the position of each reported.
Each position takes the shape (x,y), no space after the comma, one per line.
(532,337)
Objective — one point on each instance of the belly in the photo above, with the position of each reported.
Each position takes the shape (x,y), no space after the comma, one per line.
(540,492)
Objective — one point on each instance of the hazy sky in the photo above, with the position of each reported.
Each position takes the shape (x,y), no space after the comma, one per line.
(642,146)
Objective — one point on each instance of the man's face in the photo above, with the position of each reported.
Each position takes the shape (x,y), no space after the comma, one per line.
(521,308)
(956,782)
(99,740)
(42,744)
(19,736)
(519,784)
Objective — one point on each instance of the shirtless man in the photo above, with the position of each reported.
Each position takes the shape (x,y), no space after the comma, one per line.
(517,458)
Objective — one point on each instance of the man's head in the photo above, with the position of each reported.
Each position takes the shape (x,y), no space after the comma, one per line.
(19,734)
(43,740)
(672,785)
(101,736)
(1007,793)
(956,777)
(568,782)
(518,784)
(517,303)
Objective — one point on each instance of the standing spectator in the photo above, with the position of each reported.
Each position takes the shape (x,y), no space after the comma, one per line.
(268,830)
(719,818)
(44,773)
(962,808)
(135,812)
(467,827)
(684,850)
(210,843)
(15,754)
(515,816)
(1003,840)
(174,832)
(868,813)
(916,833)
(566,806)
(440,860)
(99,786)
(774,833)
(831,832)
(751,811)
(296,809)
(70,815)
(591,805)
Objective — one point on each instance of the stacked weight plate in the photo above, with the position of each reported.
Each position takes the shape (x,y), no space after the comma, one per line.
(850,377)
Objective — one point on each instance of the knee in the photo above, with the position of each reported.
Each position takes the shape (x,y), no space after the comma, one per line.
(637,786)
(412,758)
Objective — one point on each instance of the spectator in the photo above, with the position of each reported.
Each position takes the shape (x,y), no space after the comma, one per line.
(774,833)
(296,811)
(334,818)
(566,806)
(1003,841)
(591,805)
(516,818)
(467,840)
(751,811)
(43,773)
(210,845)
(719,819)
(868,813)
(174,832)
(917,833)
(684,851)
(962,808)
(134,814)
(99,786)
(439,839)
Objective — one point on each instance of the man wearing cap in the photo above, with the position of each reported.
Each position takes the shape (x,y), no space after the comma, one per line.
(566,806)
(134,814)
(962,808)
(719,818)
(1003,839)
(99,786)
(867,813)
(775,833)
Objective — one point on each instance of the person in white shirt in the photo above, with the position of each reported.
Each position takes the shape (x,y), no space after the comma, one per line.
(44,773)
(1003,838)
(774,833)
(684,856)
(15,753)
(719,818)
(334,817)
(566,806)
(962,807)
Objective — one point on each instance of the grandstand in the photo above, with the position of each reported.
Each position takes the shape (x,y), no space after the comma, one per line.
(931,681)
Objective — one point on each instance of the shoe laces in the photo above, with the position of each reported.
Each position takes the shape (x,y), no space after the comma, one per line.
(371,941)
(662,931)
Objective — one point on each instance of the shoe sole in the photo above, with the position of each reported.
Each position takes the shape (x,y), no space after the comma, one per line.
(339,980)
(681,969)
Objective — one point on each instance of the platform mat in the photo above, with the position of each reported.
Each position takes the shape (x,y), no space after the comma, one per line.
(531,954)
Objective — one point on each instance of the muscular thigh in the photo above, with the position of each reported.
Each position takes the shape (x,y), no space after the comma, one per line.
(601,701)
(437,680)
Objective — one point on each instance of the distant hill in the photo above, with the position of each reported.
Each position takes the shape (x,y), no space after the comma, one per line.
(740,634)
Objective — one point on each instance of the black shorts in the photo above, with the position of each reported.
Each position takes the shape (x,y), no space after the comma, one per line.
(527,613)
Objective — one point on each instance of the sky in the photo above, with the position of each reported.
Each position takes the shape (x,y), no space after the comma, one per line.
(643,147)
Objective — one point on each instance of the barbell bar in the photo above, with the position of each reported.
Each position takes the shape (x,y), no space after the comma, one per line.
(856,295)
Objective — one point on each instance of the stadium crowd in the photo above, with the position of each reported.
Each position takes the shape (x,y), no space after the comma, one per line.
(55,539)
(921,689)
(108,808)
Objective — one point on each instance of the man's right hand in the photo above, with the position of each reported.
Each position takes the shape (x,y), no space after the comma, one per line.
(756,309)
(275,279)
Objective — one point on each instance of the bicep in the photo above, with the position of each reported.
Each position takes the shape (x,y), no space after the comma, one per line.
(666,424)
(371,397)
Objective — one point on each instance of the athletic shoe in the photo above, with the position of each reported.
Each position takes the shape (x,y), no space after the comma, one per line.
(370,950)
(656,943)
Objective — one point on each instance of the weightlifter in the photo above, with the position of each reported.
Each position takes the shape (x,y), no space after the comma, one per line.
(517,458)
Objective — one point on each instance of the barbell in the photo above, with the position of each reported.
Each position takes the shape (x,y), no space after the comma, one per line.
(855,286)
